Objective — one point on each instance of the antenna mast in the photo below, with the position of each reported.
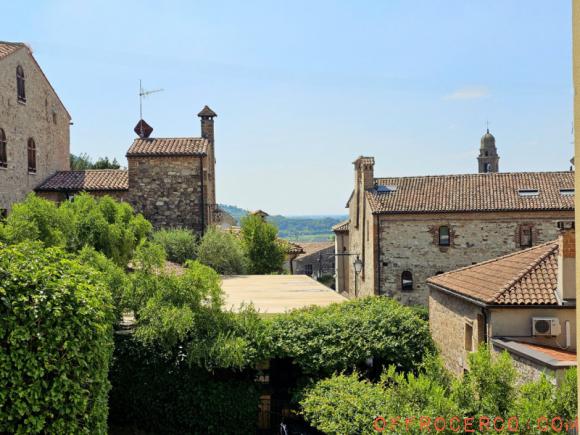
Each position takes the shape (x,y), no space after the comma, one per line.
(142,94)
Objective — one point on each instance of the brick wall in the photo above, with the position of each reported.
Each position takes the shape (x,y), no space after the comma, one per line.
(42,117)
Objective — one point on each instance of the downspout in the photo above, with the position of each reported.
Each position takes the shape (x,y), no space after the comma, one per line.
(379,263)
(202,194)
(485,324)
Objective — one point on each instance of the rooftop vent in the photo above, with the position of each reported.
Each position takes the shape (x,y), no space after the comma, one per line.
(528,192)
(385,189)
(567,192)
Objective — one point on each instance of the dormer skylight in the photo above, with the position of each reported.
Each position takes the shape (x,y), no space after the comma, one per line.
(528,192)
(567,192)
(385,189)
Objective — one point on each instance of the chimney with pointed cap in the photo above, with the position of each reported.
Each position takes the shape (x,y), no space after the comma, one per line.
(207,115)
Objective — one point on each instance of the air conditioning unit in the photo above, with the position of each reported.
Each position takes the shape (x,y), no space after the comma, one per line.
(546,326)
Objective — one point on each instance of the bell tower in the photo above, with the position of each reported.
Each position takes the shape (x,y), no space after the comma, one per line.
(488,159)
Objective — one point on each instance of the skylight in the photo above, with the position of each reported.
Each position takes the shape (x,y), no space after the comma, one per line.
(385,189)
(529,192)
(567,192)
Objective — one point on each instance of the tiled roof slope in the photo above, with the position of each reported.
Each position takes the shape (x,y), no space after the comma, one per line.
(7,48)
(310,248)
(472,192)
(528,277)
(170,146)
(92,179)
(341,227)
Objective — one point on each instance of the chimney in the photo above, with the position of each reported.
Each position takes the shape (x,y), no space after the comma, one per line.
(567,261)
(207,115)
(364,170)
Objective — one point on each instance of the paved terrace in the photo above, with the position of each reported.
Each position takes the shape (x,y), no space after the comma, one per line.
(276,293)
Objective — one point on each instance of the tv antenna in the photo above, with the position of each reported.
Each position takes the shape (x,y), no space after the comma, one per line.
(142,94)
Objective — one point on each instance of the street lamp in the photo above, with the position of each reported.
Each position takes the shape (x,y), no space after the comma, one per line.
(358,265)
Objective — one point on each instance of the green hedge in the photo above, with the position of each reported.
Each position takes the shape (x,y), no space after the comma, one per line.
(179,244)
(339,337)
(159,393)
(55,341)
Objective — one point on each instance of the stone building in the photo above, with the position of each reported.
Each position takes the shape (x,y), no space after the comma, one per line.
(523,302)
(170,180)
(316,261)
(403,230)
(34,125)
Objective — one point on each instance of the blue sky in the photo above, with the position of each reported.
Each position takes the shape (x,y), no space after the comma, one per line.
(303,87)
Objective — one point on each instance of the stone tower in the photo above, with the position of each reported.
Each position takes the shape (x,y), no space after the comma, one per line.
(488,159)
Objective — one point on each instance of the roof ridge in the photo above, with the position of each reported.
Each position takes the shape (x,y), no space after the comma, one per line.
(488,174)
(496,259)
(527,270)
(93,170)
(171,137)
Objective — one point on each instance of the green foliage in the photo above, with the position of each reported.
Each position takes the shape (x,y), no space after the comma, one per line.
(323,340)
(186,311)
(223,252)
(109,226)
(114,277)
(180,244)
(488,388)
(265,255)
(56,341)
(158,392)
(344,405)
(83,161)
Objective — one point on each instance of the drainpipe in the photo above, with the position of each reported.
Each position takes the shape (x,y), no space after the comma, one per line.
(485,321)
(379,264)
(202,196)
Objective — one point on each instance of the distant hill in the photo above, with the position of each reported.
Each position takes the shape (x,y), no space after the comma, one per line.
(298,228)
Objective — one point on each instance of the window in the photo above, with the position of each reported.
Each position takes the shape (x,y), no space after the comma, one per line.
(468,337)
(3,153)
(528,192)
(406,281)
(444,235)
(308,269)
(567,192)
(20,88)
(31,156)
(525,236)
(487,167)
(480,329)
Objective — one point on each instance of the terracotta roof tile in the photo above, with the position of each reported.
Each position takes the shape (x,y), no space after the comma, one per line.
(314,247)
(92,179)
(528,277)
(472,192)
(341,227)
(7,48)
(170,146)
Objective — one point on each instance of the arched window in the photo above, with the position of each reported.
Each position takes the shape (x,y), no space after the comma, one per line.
(31,156)
(487,167)
(3,153)
(20,84)
(406,281)
(444,235)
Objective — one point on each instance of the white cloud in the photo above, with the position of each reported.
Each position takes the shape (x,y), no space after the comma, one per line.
(468,93)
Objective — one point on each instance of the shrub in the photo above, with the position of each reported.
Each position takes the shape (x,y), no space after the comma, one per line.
(109,226)
(180,244)
(222,251)
(158,393)
(265,254)
(323,340)
(56,341)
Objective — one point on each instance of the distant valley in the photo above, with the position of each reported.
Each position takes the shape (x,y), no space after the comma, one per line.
(299,228)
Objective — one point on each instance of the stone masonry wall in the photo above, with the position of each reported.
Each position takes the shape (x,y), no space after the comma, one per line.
(42,117)
(410,243)
(167,190)
(448,316)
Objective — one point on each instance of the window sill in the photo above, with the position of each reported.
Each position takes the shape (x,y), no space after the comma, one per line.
(23,102)
(31,173)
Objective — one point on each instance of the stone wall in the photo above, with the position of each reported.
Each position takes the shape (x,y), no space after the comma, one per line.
(449,319)
(410,243)
(167,190)
(42,117)
(322,261)
(342,263)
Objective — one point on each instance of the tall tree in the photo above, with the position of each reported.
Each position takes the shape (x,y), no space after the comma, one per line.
(260,239)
